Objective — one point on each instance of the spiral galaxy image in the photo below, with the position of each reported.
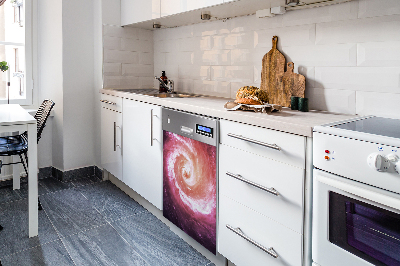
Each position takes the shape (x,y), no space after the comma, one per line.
(189,187)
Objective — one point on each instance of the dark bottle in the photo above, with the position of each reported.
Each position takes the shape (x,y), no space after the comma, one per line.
(163,78)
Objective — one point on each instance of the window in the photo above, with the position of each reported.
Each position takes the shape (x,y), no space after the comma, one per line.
(16,50)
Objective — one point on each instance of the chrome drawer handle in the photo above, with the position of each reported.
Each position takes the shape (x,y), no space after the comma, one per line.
(269,190)
(105,101)
(272,146)
(270,250)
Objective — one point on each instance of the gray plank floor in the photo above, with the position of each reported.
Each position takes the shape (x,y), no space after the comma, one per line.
(87,222)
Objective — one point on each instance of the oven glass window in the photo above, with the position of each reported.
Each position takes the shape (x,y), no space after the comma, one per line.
(367,231)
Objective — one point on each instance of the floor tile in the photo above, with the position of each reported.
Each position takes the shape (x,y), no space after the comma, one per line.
(111,201)
(153,240)
(14,236)
(7,194)
(83,181)
(46,185)
(101,246)
(70,211)
(53,253)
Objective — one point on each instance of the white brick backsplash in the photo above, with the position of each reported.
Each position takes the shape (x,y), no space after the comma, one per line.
(112,69)
(184,85)
(244,40)
(114,56)
(111,82)
(233,73)
(251,23)
(136,45)
(377,29)
(146,82)
(323,55)
(122,32)
(288,36)
(337,101)
(137,70)
(194,72)
(181,58)
(349,54)
(130,82)
(112,43)
(146,58)
(213,88)
(380,104)
(373,8)
(384,54)
(374,79)
(339,12)
(210,28)
(213,57)
(159,58)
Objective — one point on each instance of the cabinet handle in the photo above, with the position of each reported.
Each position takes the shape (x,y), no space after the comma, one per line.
(269,190)
(270,250)
(151,127)
(272,146)
(105,101)
(115,136)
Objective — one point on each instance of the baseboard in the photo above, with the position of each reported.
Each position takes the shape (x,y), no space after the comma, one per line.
(63,176)
(69,175)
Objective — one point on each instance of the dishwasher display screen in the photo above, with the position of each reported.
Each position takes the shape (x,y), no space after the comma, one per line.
(203,130)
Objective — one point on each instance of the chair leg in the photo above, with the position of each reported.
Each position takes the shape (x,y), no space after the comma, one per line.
(1,227)
(23,163)
(39,205)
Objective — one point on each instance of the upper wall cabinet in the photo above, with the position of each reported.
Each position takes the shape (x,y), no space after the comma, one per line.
(172,7)
(133,11)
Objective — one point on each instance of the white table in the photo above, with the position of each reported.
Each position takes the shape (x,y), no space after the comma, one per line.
(15,118)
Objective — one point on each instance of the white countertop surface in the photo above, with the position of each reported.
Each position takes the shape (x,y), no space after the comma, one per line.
(295,122)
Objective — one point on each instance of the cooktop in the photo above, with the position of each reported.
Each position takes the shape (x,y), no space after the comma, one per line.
(387,127)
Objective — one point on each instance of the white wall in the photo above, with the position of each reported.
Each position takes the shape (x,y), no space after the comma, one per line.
(349,53)
(78,83)
(50,75)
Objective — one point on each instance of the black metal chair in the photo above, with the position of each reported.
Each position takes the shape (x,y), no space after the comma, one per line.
(18,145)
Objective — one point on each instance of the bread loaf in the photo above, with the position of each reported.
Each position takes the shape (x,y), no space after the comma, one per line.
(251,95)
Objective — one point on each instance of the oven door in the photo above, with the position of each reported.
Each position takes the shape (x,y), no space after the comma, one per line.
(353,223)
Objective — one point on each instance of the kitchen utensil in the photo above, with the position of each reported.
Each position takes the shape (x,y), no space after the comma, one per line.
(273,68)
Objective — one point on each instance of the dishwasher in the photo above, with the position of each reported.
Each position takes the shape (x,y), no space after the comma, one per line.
(190,169)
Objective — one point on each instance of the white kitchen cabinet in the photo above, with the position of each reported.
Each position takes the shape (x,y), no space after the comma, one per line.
(171,7)
(111,134)
(261,189)
(142,160)
(133,11)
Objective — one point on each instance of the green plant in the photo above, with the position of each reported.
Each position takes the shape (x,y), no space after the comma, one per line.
(3,66)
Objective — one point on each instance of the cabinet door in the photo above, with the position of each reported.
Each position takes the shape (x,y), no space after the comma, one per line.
(143,150)
(171,7)
(133,11)
(111,137)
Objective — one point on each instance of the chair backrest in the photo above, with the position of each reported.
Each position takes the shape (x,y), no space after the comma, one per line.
(41,116)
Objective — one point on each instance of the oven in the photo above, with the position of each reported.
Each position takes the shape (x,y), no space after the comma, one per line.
(356,193)
(190,168)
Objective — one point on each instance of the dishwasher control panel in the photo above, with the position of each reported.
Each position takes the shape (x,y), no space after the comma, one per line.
(204,130)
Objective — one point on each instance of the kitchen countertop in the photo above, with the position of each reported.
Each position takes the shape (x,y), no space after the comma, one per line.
(294,122)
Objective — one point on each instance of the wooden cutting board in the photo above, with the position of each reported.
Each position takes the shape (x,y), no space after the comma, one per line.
(293,84)
(273,68)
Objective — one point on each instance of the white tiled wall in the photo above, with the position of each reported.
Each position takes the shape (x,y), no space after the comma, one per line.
(128,57)
(349,53)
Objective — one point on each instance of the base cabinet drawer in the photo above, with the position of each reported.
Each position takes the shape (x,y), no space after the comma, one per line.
(271,188)
(274,237)
(279,146)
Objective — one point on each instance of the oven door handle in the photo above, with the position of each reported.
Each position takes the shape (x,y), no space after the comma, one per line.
(361,192)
